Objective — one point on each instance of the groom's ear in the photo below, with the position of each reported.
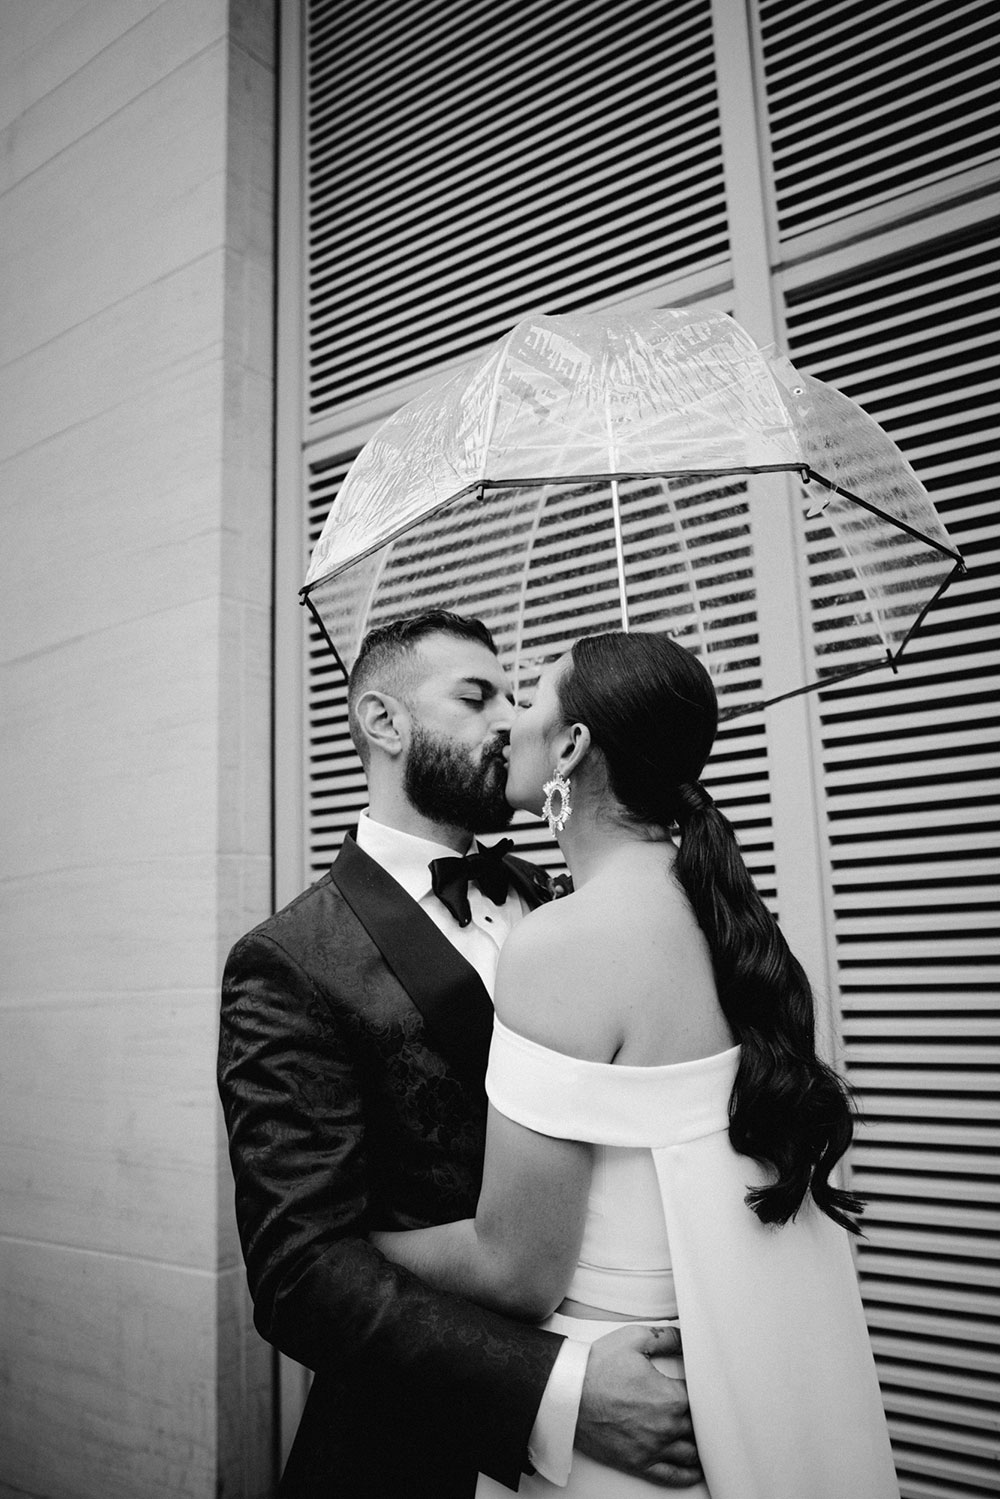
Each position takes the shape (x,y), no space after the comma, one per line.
(383,720)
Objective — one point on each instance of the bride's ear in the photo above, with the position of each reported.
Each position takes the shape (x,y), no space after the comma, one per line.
(574,746)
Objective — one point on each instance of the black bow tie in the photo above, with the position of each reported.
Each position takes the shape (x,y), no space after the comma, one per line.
(450,879)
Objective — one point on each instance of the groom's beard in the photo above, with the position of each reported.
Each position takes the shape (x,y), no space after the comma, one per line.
(446,783)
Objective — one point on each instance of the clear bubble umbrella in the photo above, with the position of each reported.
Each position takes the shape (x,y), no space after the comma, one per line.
(592,472)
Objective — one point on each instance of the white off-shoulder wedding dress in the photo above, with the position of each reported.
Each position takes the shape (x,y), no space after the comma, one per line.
(784,1396)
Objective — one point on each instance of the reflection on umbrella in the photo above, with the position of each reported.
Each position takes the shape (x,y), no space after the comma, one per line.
(591,472)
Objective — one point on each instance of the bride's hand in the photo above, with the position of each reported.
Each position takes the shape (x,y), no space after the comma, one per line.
(632,1417)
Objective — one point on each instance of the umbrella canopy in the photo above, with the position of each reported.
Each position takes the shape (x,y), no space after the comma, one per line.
(589,472)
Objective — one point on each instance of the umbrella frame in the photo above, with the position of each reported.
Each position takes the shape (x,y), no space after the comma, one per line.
(806,474)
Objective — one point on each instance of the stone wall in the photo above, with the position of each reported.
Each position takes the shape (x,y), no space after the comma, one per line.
(136,204)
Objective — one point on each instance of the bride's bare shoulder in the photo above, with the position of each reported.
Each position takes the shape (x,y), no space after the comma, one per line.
(552,981)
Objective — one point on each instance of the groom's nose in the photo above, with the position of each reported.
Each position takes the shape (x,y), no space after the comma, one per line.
(503,718)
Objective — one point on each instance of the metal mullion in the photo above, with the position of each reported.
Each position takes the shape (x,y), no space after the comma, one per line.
(290,647)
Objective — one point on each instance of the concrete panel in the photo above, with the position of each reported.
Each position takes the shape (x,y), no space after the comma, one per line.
(123,356)
(244,885)
(135,465)
(244,823)
(108,1117)
(80,236)
(142,926)
(111,740)
(109,1374)
(252,28)
(248,488)
(66,67)
(117,517)
(244,1394)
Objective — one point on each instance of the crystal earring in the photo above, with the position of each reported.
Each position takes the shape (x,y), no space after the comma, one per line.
(556,817)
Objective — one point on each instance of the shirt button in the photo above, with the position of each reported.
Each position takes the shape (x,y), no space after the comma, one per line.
(489,918)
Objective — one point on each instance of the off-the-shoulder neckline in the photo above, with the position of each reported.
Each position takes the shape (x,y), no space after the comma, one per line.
(714,1059)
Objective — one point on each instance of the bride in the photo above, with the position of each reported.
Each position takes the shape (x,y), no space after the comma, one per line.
(661,1132)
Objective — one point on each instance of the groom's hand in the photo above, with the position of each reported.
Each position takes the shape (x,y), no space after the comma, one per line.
(632,1417)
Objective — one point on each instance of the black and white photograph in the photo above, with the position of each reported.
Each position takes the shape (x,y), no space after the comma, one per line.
(501,749)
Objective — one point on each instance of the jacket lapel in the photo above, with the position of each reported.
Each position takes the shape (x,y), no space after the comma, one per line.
(446,989)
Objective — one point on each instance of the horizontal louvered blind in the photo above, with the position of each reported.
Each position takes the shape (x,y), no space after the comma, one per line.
(472,161)
(335,782)
(564,586)
(912,776)
(871,99)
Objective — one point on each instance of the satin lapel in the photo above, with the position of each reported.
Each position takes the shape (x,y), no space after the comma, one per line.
(446,989)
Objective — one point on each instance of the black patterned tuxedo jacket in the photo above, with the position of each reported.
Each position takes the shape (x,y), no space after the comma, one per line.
(352,1053)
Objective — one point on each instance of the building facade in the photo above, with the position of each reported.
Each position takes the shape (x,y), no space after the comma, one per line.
(828,175)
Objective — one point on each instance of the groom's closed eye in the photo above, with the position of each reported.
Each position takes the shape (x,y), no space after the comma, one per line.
(479,691)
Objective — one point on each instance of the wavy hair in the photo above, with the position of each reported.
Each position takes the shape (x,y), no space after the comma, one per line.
(651,710)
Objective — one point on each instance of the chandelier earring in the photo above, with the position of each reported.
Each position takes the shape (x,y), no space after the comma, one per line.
(557,808)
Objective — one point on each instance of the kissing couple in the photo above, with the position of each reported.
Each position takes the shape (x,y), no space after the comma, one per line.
(542,1190)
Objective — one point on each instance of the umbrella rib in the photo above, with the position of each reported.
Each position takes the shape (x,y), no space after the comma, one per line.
(616,516)
(956,572)
(523,600)
(901,525)
(692,581)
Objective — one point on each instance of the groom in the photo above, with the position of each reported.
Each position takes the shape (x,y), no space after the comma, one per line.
(355,1030)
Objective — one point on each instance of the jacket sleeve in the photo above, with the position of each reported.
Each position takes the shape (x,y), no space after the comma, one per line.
(321,1293)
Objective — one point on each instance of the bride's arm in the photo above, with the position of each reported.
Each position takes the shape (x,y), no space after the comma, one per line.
(518,1253)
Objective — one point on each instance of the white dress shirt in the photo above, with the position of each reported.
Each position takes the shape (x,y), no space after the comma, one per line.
(407,859)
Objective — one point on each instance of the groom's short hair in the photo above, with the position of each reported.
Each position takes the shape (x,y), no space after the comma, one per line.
(387,652)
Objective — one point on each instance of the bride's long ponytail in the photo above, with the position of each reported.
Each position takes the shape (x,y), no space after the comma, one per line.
(650,707)
(787,1109)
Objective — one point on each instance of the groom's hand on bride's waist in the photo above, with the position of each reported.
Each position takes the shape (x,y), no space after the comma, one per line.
(633,1417)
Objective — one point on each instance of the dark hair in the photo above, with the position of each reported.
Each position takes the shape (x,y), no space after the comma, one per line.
(385,650)
(651,709)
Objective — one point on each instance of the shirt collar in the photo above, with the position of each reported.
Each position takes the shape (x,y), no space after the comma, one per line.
(403,855)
